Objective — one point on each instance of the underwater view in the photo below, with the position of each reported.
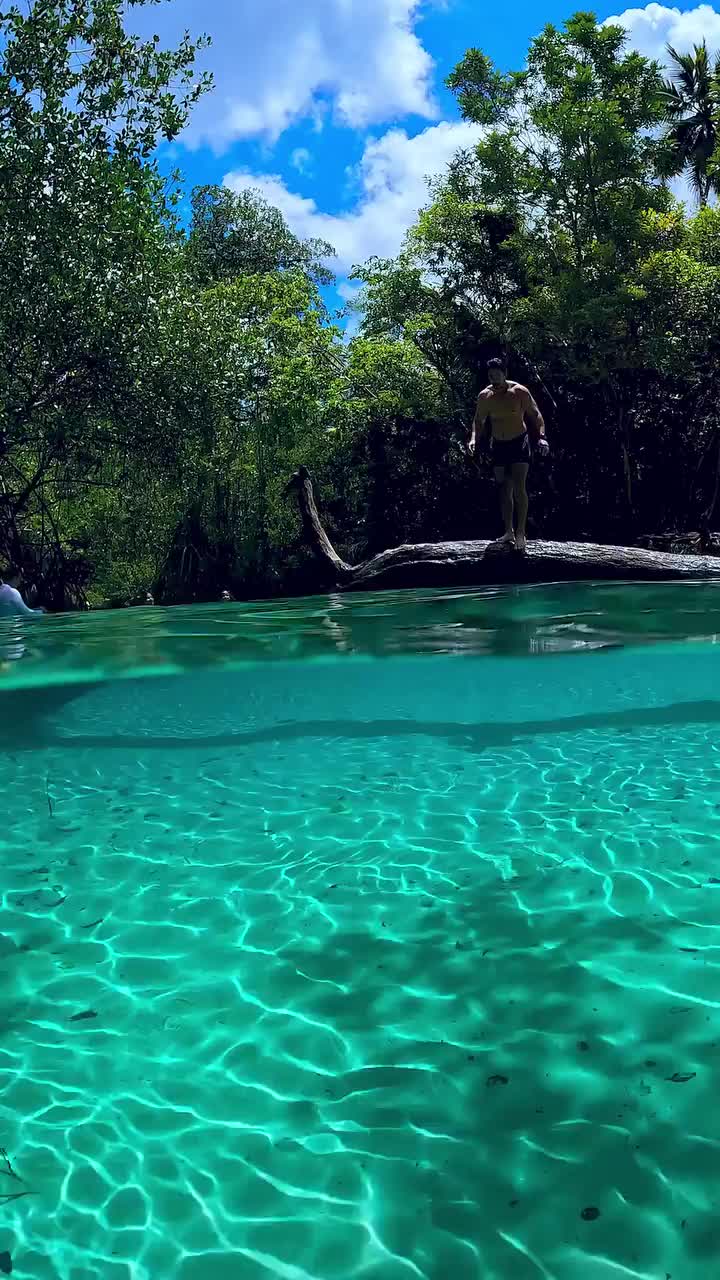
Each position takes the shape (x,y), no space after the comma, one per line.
(368,938)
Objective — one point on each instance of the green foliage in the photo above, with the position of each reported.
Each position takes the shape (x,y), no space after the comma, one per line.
(86,250)
(483,93)
(573,154)
(263,360)
(241,234)
(681,305)
(531,240)
(703,236)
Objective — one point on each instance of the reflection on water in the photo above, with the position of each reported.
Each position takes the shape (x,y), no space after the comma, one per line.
(352,968)
(512,621)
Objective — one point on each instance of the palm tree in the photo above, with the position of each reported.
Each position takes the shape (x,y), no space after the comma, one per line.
(691,98)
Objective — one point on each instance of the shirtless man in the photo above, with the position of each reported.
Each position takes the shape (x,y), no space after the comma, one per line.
(503,407)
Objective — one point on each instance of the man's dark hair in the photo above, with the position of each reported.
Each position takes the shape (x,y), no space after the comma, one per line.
(495,363)
(9,572)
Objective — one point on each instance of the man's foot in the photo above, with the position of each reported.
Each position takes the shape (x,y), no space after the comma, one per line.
(521,542)
(508,539)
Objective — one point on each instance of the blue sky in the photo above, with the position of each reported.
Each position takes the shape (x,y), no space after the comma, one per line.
(336,109)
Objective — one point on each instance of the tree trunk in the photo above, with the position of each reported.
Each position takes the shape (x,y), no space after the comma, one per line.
(453,564)
(336,569)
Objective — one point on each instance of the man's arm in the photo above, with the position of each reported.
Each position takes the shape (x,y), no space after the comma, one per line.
(480,423)
(533,416)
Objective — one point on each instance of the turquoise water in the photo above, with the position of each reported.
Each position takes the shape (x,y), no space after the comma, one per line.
(369,938)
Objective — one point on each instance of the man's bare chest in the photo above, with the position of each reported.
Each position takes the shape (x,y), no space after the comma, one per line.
(505,409)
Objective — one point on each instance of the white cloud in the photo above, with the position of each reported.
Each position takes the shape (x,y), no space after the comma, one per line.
(300,159)
(653,28)
(393,176)
(275,63)
(349,291)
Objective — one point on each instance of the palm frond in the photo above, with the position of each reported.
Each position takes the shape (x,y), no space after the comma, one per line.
(691,101)
(684,70)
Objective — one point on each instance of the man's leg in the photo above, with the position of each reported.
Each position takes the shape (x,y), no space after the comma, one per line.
(520,494)
(505,485)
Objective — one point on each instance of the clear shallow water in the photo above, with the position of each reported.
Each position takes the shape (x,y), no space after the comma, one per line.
(562,618)
(346,967)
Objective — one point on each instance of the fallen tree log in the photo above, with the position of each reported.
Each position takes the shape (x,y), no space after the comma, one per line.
(455,564)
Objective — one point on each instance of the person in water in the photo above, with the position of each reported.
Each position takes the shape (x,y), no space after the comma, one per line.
(503,410)
(12,604)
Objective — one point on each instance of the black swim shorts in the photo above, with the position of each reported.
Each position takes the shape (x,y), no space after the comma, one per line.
(506,453)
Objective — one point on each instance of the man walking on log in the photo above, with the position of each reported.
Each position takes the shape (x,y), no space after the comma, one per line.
(503,409)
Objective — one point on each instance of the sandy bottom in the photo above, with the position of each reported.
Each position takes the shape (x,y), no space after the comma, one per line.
(362,997)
